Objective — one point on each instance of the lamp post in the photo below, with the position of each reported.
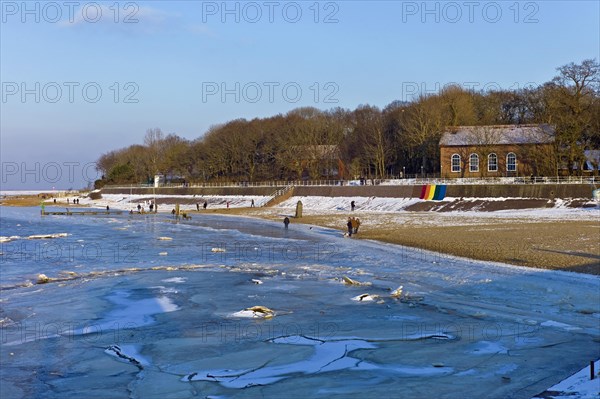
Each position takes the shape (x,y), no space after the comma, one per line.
(404,172)
(422,171)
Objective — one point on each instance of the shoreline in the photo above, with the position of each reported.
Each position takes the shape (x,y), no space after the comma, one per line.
(517,238)
(511,241)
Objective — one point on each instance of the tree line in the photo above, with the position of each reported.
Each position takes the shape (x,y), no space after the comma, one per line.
(401,138)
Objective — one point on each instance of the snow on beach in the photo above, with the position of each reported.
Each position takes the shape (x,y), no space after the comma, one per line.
(577,386)
(341,205)
(393,210)
(128,202)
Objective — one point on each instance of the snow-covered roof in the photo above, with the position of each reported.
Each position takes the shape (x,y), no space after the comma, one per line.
(497,135)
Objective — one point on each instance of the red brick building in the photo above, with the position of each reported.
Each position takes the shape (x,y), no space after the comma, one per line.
(497,151)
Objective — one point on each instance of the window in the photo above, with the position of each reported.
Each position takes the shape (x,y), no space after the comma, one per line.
(455,163)
(511,162)
(492,163)
(474,163)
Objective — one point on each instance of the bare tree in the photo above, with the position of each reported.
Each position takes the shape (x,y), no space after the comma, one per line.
(153,140)
(572,97)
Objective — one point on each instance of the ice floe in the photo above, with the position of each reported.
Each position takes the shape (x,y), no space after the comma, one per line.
(128,354)
(255,312)
(397,293)
(42,279)
(348,281)
(46,236)
(365,298)
(329,355)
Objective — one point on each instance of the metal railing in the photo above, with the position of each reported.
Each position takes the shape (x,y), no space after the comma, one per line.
(281,184)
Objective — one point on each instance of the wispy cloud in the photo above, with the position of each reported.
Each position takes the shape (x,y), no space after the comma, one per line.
(130,16)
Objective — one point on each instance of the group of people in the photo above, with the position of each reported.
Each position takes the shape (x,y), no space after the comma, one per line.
(75,201)
(203,206)
(183,215)
(140,209)
(353,224)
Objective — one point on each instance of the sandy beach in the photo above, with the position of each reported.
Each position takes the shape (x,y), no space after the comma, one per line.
(549,238)
(571,245)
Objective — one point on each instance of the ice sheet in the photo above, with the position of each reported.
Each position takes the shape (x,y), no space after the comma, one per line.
(460,328)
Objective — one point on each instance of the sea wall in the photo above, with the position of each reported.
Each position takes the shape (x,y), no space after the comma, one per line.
(545,191)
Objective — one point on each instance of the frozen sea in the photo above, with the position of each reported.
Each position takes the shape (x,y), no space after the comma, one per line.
(142,306)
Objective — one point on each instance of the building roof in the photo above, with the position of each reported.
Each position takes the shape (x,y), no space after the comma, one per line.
(497,135)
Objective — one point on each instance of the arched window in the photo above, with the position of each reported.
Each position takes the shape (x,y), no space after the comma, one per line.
(511,162)
(455,163)
(474,163)
(492,163)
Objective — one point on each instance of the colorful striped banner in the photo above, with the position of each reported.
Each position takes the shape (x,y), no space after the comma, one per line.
(435,192)
(423,189)
(430,192)
(440,192)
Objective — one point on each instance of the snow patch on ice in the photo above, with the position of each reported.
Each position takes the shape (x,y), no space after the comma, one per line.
(174,280)
(129,313)
(552,323)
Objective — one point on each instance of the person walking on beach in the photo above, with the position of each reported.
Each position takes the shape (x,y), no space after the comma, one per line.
(107,208)
(354,227)
(198,207)
(151,206)
(252,204)
(357,225)
(205,204)
(286,222)
(352,205)
(139,208)
(228,204)
(349,224)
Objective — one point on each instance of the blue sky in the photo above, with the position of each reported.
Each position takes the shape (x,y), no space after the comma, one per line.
(82,78)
